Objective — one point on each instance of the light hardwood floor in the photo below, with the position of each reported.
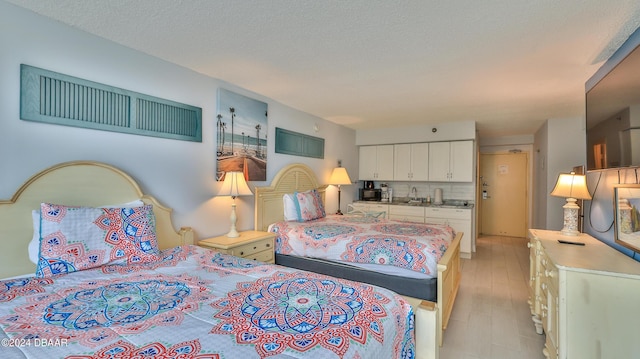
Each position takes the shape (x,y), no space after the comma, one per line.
(491,318)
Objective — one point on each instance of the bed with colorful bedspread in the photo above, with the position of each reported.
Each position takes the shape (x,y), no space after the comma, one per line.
(197,303)
(394,247)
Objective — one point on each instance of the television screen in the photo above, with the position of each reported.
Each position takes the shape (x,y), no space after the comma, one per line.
(613,117)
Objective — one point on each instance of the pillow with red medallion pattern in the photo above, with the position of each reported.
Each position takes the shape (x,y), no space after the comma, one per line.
(79,238)
(309,205)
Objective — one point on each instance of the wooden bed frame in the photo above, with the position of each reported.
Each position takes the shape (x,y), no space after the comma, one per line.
(431,318)
(79,183)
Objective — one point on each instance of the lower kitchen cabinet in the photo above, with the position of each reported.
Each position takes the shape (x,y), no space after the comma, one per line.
(459,220)
(407,213)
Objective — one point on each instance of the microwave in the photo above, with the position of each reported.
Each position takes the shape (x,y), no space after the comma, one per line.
(370,194)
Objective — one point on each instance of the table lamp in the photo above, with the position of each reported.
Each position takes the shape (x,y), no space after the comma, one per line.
(234,185)
(572,187)
(339,177)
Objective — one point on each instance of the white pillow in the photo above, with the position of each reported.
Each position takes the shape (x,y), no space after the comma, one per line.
(34,245)
(290,210)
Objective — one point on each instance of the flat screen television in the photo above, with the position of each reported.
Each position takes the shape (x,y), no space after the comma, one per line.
(613,116)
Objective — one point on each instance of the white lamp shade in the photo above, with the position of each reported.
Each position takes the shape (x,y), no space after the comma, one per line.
(234,185)
(339,176)
(571,185)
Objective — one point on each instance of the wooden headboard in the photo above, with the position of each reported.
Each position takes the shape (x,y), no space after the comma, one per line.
(268,200)
(79,183)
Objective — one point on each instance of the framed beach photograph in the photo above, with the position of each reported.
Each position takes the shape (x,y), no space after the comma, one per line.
(241,141)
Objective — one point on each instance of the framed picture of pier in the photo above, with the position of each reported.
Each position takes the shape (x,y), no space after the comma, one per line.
(241,141)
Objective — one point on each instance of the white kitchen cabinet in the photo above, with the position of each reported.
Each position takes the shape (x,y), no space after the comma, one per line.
(451,161)
(410,162)
(407,213)
(458,219)
(376,163)
(583,297)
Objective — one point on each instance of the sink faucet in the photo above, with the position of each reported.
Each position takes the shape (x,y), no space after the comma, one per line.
(414,192)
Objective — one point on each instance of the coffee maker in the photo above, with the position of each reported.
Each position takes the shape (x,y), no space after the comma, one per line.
(386,195)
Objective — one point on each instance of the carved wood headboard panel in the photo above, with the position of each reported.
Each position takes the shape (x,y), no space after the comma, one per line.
(268,200)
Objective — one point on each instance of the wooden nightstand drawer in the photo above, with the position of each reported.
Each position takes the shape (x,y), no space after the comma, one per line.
(252,248)
(264,256)
(255,245)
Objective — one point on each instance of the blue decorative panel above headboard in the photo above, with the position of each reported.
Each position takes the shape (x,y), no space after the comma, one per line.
(55,98)
(298,144)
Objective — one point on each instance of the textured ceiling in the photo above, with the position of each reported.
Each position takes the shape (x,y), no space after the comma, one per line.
(506,64)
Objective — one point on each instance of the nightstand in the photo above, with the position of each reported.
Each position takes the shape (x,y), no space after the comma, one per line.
(255,245)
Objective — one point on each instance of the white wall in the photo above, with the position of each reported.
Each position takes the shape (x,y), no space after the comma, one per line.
(505,141)
(559,145)
(179,173)
(462,130)
(540,171)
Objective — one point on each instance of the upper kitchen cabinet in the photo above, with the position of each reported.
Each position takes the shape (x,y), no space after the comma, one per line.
(411,162)
(451,161)
(376,163)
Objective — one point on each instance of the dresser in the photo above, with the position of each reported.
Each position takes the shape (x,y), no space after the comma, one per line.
(585,299)
(255,245)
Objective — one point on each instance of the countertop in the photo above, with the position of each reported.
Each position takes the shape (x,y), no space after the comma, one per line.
(457,204)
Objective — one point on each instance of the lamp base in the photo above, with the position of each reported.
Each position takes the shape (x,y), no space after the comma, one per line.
(570,218)
(568,232)
(339,212)
(233,232)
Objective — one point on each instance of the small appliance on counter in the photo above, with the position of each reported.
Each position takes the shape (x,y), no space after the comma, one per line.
(373,194)
(438,196)
(386,194)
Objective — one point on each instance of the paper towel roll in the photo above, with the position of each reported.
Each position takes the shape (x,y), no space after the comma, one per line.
(438,196)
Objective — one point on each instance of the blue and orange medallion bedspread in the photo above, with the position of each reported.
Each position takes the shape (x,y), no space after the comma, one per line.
(366,240)
(197,303)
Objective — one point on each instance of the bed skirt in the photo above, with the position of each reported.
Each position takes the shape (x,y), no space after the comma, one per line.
(426,289)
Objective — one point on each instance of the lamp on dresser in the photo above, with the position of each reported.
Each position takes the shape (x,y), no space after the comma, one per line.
(234,185)
(573,187)
(339,177)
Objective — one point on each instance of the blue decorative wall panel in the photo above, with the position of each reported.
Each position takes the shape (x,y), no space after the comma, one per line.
(50,97)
